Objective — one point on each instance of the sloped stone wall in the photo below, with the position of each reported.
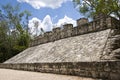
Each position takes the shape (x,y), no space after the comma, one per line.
(87,47)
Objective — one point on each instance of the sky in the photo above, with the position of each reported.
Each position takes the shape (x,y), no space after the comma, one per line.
(49,13)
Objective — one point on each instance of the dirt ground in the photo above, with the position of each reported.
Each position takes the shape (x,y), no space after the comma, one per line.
(7,74)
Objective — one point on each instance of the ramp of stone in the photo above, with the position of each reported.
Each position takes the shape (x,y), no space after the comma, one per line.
(87,47)
(7,74)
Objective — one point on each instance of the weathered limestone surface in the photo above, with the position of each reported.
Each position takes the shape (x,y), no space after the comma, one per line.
(87,47)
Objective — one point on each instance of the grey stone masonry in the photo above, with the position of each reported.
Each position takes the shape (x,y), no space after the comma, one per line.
(82,21)
(68,30)
(112,46)
(102,70)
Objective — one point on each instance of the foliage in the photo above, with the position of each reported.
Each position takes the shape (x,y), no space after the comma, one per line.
(14,36)
(93,7)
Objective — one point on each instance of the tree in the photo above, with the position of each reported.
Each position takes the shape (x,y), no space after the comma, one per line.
(94,7)
(14,36)
(27,13)
(4,48)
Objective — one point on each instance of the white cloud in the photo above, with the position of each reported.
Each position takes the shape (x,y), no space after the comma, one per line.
(47,25)
(66,20)
(34,30)
(37,4)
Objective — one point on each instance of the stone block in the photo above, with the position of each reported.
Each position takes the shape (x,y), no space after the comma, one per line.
(104,75)
(107,67)
(88,74)
(74,31)
(82,73)
(82,21)
(114,76)
(94,75)
(57,29)
(67,27)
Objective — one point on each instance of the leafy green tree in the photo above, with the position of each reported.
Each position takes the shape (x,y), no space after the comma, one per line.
(27,14)
(3,41)
(93,7)
(14,35)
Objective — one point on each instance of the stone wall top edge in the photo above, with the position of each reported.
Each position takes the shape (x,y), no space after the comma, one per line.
(69,31)
(109,61)
(71,25)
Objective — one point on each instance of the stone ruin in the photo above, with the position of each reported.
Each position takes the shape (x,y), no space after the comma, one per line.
(91,49)
(101,37)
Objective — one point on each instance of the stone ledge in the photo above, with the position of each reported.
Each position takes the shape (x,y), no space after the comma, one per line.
(103,69)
